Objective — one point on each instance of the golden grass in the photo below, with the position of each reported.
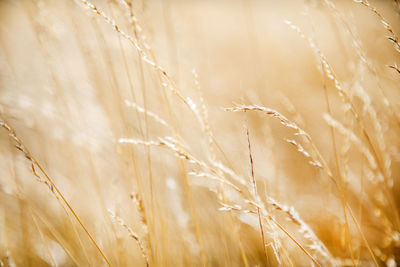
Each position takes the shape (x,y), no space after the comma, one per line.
(199,133)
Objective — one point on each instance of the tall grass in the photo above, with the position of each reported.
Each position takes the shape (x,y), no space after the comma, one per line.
(199,133)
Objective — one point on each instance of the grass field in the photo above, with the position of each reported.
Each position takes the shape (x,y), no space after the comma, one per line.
(199,133)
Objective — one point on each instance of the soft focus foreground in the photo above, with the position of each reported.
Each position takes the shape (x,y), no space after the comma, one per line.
(199,133)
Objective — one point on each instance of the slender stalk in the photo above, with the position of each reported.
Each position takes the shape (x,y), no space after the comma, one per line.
(253,182)
(20,146)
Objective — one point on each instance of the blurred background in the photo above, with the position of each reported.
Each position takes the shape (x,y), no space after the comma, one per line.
(72,85)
